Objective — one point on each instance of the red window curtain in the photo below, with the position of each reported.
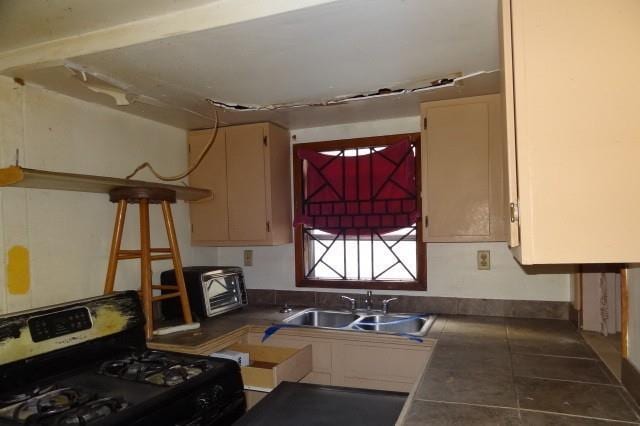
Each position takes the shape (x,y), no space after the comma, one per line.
(351,194)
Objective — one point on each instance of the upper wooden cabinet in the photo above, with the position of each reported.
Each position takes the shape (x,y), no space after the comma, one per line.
(248,171)
(463,170)
(572,103)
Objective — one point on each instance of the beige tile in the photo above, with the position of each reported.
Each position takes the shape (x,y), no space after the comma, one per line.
(536,309)
(261,297)
(472,387)
(533,418)
(463,359)
(437,413)
(482,327)
(488,307)
(553,367)
(296,298)
(590,400)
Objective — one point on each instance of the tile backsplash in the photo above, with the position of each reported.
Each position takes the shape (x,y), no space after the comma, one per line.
(421,304)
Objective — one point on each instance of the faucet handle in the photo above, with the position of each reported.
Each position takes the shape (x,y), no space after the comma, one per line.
(351,300)
(385,304)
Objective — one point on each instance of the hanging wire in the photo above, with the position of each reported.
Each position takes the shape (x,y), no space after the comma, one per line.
(194,166)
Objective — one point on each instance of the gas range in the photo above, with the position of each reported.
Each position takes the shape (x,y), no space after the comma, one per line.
(87,363)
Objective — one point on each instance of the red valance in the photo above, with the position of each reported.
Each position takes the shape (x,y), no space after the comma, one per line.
(359,194)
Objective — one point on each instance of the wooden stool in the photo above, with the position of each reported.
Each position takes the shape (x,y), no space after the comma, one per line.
(144,197)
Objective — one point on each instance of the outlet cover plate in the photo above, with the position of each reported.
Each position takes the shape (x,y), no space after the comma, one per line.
(484,260)
(248,258)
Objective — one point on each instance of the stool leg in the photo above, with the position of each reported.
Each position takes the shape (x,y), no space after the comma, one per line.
(145,267)
(177,262)
(115,247)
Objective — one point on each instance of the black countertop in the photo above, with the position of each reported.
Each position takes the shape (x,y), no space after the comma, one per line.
(307,404)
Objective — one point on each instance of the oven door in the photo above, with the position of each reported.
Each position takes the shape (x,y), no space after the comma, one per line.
(221,292)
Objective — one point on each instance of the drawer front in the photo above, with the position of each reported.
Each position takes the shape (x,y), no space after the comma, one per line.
(400,365)
(321,350)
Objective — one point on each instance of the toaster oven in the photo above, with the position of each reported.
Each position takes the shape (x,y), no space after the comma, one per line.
(212,290)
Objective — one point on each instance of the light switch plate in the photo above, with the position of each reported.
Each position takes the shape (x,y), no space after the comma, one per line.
(484,260)
(248,258)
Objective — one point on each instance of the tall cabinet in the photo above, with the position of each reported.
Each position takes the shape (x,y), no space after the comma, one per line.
(248,171)
(572,101)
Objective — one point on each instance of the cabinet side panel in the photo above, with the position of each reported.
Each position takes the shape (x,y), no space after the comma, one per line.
(246,183)
(577,98)
(280,168)
(508,113)
(209,218)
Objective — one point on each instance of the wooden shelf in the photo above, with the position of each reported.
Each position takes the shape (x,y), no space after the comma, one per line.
(42,179)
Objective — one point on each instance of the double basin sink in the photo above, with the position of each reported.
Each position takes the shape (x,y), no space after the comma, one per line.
(375,321)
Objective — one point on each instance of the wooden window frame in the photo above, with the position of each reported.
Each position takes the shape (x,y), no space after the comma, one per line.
(421,252)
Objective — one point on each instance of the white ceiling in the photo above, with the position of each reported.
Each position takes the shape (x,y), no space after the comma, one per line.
(28,22)
(312,55)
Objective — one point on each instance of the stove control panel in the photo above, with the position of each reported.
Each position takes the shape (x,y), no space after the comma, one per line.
(59,323)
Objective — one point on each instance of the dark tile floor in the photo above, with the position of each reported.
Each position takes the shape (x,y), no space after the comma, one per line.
(504,371)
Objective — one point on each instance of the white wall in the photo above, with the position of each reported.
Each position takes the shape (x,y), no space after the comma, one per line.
(68,234)
(633,282)
(451,267)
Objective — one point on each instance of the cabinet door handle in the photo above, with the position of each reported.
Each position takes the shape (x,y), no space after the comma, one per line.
(426,221)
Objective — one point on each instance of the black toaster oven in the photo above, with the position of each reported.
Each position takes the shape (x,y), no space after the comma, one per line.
(212,290)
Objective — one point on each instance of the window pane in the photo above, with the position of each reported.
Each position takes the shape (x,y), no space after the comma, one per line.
(392,259)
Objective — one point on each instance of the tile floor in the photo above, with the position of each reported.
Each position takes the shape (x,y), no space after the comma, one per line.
(507,371)
(607,348)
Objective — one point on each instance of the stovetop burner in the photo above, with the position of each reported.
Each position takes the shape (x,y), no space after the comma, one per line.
(56,405)
(19,397)
(154,367)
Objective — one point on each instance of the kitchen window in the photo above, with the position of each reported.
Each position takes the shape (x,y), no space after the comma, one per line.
(357,214)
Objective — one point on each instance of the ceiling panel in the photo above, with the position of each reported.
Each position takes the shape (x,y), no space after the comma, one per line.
(305,56)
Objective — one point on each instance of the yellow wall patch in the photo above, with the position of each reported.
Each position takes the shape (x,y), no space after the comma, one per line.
(18,275)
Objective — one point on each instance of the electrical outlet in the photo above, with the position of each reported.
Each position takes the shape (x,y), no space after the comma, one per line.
(484,260)
(248,258)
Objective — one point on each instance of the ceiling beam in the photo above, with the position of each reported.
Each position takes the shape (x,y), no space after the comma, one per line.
(211,15)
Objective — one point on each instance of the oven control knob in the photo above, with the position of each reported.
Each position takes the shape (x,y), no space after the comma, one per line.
(204,400)
(210,398)
(216,394)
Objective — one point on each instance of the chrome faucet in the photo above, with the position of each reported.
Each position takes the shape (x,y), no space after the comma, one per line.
(385,305)
(351,300)
(368,300)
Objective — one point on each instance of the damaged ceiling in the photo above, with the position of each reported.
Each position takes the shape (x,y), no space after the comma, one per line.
(335,54)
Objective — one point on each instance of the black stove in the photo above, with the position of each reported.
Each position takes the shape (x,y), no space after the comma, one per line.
(86,363)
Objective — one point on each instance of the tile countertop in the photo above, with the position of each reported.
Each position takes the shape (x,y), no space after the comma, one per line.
(507,371)
(485,370)
(216,327)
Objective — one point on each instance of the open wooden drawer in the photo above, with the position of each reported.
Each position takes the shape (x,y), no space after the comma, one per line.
(270,365)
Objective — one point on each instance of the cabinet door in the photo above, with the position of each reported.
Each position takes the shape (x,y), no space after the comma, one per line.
(577,104)
(209,220)
(462,170)
(382,367)
(246,183)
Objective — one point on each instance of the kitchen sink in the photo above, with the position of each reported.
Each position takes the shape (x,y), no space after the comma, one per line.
(409,324)
(371,321)
(321,318)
